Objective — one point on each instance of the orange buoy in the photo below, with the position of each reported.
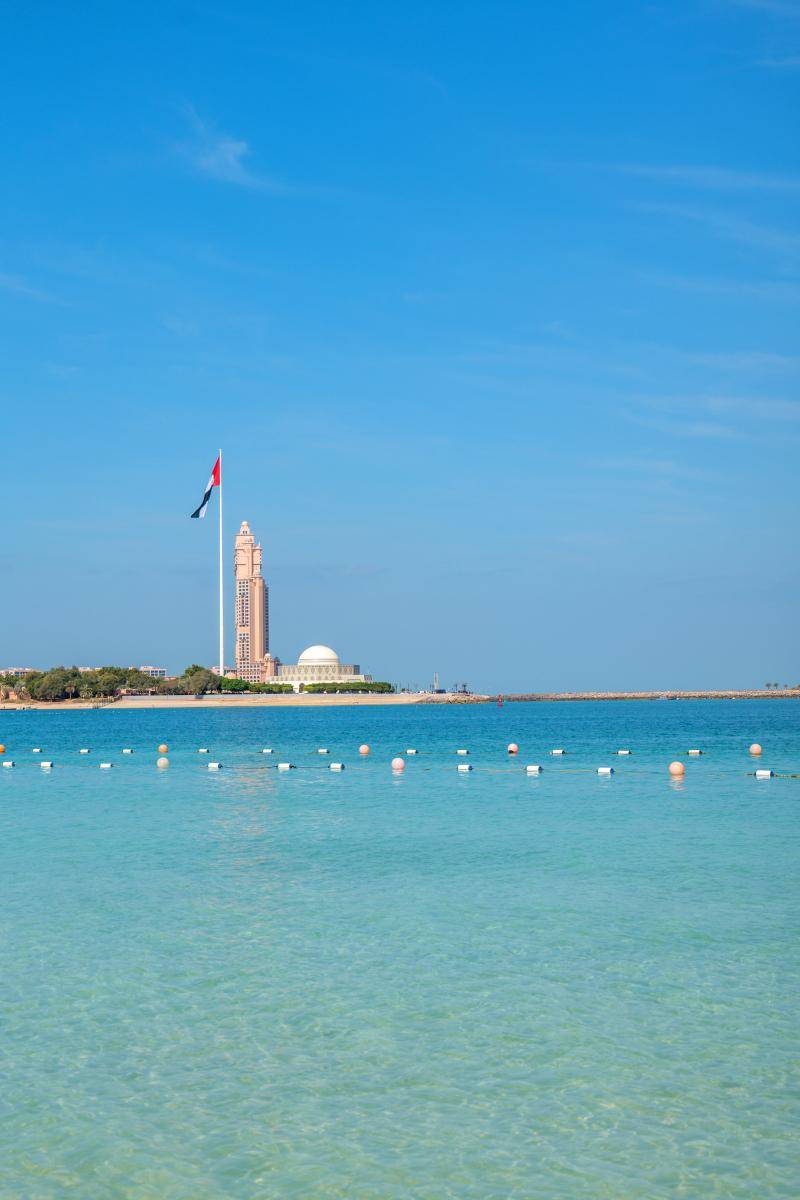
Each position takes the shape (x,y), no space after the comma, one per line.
(364,749)
(677,769)
(755,749)
(2,749)
(398,764)
(163,748)
(513,748)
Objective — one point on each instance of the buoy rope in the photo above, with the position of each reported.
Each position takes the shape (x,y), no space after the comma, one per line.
(640,770)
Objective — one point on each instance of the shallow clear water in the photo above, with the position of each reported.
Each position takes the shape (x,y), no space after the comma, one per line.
(248,984)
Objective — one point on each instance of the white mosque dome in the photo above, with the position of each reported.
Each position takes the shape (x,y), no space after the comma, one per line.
(317,656)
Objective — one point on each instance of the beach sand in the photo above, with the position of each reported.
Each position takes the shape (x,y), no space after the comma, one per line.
(251,700)
(304,700)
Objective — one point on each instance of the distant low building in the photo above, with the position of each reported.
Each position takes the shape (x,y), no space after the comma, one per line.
(154,672)
(319,664)
(15,672)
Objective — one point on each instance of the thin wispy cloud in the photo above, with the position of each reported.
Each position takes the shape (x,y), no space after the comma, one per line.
(755,408)
(180,326)
(218,155)
(733,228)
(714,178)
(747,408)
(746,361)
(709,430)
(652,466)
(20,287)
(746,289)
(261,30)
(756,420)
(780,64)
(378,68)
(779,8)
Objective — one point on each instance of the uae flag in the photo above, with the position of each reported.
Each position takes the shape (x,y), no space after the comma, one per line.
(214,481)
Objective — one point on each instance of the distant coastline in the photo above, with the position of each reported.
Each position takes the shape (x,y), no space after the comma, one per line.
(727,694)
(307,700)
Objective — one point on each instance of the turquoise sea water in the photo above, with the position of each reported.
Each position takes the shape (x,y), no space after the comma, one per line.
(363,986)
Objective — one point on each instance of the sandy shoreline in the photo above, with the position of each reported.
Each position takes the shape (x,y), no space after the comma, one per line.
(261,700)
(727,694)
(264,700)
(243,700)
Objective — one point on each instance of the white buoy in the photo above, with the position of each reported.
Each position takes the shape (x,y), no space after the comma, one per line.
(266,750)
(106,766)
(127,750)
(214,766)
(558,752)
(464,767)
(286,767)
(83,752)
(533,769)
(411,752)
(764,773)
(46,764)
(605,770)
(694,752)
(8,762)
(202,749)
(623,752)
(323,750)
(336,767)
(36,750)
(462,751)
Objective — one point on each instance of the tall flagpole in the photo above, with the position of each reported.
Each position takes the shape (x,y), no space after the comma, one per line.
(221,599)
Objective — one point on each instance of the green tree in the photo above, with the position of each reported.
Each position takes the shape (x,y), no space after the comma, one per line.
(201,681)
(108,683)
(50,686)
(234,685)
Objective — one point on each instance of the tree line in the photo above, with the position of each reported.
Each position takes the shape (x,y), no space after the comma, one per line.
(105,683)
(69,683)
(346,688)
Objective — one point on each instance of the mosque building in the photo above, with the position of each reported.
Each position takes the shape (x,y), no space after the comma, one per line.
(254,663)
(320,664)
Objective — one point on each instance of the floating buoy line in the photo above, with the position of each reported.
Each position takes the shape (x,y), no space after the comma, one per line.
(675,769)
(397,766)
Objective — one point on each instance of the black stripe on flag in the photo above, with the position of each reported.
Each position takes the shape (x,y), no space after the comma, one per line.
(214,481)
(201,510)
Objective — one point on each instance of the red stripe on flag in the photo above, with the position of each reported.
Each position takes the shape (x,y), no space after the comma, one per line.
(216,474)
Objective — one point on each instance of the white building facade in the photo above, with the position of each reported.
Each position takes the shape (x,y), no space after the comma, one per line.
(319,664)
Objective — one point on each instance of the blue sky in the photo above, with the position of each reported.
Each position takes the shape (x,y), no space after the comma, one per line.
(493,309)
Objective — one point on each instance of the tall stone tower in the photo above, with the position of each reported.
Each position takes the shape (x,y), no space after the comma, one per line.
(253,661)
